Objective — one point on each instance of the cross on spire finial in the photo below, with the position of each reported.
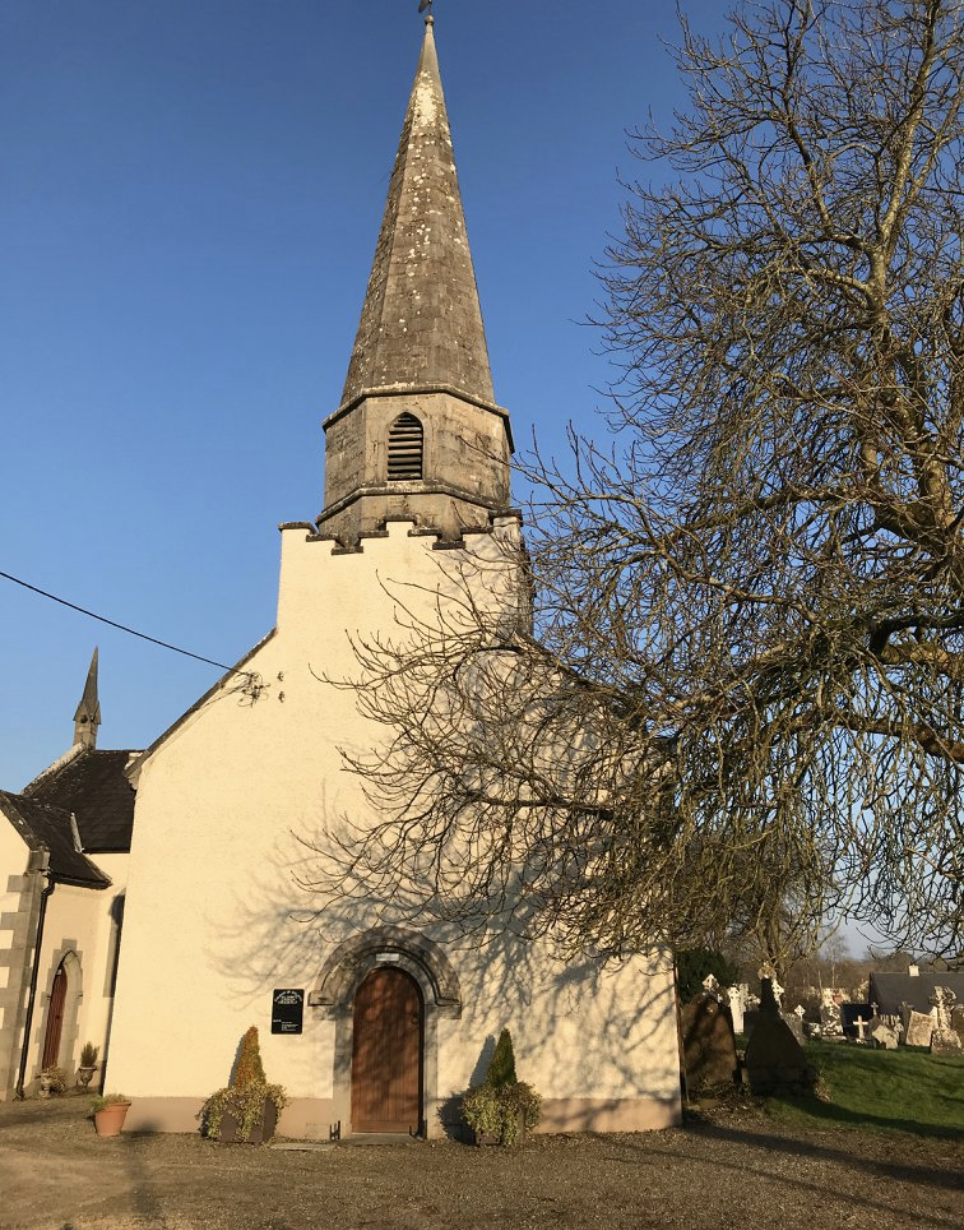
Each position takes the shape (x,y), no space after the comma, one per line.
(426,7)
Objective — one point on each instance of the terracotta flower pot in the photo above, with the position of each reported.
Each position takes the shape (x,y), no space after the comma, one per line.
(110,1120)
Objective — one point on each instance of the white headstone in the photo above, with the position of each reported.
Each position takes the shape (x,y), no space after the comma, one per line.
(736,998)
(831,1027)
(944,1039)
(943,1000)
(919,1029)
(884,1035)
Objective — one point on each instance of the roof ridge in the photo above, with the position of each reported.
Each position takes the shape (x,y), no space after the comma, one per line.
(71,754)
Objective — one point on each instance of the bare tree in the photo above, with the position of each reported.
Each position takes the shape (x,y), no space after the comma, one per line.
(770,556)
(749,605)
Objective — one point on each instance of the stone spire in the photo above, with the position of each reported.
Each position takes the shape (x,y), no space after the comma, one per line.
(421,324)
(418,434)
(87,717)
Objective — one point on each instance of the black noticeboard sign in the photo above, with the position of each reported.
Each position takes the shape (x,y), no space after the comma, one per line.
(287,1010)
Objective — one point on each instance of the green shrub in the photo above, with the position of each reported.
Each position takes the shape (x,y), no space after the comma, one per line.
(500,1113)
(103,1100)
(502,1064)
(245,1106)
(56,1078)
(249,1070)
(88,1055)
(502,1107)
(245,1098)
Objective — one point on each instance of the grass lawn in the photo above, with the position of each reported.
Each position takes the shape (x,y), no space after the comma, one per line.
(907,1089)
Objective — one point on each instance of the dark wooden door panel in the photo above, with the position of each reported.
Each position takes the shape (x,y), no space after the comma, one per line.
(55,1019)
(386,1073)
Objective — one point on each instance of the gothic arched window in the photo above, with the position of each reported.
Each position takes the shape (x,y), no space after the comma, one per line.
(405,438)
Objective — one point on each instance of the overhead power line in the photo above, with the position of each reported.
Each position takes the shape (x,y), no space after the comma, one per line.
(120,627)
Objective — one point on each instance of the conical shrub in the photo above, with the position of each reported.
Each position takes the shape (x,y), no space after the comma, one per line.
(502,1064)
(249,1069)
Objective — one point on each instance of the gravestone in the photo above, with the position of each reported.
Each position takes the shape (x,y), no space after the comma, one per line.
(775,1062)
(944,1040)
(850,1013)
(736,998)
(957,1020)
(711,985)
(943,1000)
(768,979)
(831,1026)
(709,1051)
(884,1033)
(920,1026)
(794,1020)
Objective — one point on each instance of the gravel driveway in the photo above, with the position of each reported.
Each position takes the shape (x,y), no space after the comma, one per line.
(734,1170)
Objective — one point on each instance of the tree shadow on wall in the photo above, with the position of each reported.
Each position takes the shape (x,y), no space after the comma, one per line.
(574,1019)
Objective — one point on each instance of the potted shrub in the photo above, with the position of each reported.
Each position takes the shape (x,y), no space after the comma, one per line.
(248,1109)
(502,1109)
(110,1111)
(53,1081)
(88,1064)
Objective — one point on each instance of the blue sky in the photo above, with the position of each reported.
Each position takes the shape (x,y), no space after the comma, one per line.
(190,193)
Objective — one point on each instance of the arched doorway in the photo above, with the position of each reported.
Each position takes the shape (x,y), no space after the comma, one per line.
(55,1019)
(386,1065)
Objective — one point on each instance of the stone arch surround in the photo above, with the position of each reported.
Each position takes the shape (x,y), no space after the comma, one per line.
(351,960)
(67,954)
(334,993)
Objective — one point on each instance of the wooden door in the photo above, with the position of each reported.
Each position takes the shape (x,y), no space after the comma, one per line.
(386,1064)
(55,1019)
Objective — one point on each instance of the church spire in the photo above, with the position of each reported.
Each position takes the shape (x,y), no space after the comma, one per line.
(87,717)
(418,435)
(421,324)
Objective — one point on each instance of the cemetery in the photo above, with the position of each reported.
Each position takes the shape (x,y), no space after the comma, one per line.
(853,1064)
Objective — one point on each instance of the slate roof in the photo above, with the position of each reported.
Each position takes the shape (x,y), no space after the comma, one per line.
(92,784)
(421,324)
(42,825)
(889,990)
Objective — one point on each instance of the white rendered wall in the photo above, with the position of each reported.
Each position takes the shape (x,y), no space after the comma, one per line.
(215,921)
(78,926)
(99,972)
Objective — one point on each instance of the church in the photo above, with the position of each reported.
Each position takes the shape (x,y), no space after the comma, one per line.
(371,1021)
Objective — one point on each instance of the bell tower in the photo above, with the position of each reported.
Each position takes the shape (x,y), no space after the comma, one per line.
(418,434)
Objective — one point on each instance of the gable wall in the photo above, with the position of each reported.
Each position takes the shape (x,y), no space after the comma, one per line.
(216,920)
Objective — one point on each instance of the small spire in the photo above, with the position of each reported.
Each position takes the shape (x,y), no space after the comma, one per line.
(87,717)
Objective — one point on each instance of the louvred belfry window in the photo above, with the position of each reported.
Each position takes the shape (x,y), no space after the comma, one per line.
(405,449)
